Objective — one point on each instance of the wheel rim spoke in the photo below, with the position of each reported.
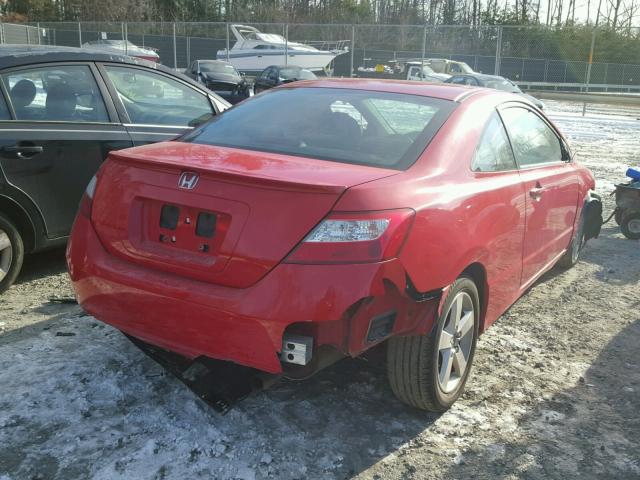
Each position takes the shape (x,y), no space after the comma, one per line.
(446,341)
(445,366)
(454,315)
(459,362)
(465,324)
(4,241)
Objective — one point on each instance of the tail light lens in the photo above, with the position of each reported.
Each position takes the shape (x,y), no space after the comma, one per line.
(355,237)
(87,198)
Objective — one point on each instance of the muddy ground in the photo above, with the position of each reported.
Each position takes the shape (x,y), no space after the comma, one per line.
(554,392)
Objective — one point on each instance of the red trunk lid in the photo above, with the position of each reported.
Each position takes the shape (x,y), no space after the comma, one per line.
(246,212)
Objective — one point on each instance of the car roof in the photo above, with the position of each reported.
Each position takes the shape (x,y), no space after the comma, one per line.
(23,55)
(445,91)
(280,67)
(19,55)
(213,61)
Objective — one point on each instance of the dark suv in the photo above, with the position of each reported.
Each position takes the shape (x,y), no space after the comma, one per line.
(61,111)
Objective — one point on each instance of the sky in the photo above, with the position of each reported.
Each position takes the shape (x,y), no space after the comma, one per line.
(583,8)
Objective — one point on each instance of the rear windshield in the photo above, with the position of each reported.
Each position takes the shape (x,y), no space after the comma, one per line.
(503,84)
(211,67)
(378,129)
(296,74)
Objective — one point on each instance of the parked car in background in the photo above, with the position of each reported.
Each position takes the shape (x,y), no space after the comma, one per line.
(422,72)
(279,74)
(450,67)
(493,81)
(220,77)
(122,47)
(363,211)
(414,70)
(62,110)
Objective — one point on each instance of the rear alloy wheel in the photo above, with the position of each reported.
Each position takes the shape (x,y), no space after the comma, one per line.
(571,256)
(630,225)
(429,371)
(11,253)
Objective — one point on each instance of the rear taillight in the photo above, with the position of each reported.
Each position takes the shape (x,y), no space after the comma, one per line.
(87,198)
(355,237)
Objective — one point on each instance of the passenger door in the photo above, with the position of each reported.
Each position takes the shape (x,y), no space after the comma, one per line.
(551,185)
(499,213)
(155,106)
(63,126)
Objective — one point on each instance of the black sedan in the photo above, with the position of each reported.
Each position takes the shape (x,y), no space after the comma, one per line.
(278,74)
(220,77)
(493,81)
(61,111)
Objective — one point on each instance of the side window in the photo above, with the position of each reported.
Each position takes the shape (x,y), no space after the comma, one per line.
(534,142)
(153,99)
(459,80)
(4,111)
(493,153)
(64,93)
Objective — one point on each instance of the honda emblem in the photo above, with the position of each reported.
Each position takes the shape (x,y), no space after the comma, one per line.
(188,180)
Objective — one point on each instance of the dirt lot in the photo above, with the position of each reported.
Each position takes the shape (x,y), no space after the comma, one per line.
(554,393)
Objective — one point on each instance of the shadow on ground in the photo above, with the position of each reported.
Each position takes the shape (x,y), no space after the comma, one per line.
(42,264)
(588,431)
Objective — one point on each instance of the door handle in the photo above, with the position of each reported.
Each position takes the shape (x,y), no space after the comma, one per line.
(536,192)
(23,151)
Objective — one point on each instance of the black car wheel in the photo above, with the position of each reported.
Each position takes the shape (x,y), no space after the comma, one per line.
(429,371)
(630,225)
(11,253)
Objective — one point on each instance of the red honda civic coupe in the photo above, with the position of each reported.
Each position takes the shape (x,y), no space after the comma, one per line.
(322,218)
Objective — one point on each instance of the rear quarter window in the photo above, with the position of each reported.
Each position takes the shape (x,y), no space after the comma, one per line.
(377,129)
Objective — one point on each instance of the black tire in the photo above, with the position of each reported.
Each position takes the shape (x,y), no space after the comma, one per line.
(12,256)
(630,225)
(413,363)
(572,255)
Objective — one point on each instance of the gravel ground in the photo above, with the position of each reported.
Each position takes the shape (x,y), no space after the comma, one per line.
(554,392)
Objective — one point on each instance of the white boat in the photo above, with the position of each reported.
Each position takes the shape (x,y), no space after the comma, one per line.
(254,51)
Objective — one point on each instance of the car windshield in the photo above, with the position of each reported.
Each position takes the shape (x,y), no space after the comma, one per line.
(296,74)
(502,84)
(378,129)
(214,67)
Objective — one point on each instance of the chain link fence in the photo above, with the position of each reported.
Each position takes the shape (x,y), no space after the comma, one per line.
(569,58)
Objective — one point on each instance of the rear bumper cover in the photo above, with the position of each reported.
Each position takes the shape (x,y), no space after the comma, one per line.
(245,326)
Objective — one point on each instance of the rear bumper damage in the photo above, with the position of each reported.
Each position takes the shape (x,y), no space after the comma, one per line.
(344,308)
